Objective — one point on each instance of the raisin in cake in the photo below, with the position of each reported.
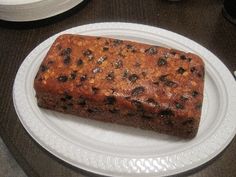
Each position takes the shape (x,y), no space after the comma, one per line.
(123,82)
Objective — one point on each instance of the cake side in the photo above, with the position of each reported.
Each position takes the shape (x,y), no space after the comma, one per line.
(124,82)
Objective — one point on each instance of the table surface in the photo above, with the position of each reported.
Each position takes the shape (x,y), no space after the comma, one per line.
(199,20)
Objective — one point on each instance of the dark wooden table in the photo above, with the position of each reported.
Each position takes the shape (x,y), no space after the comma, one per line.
(200,20)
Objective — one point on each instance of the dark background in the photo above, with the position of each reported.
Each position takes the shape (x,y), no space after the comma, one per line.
(199,20)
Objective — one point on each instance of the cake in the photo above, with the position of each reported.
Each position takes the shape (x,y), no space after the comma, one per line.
(123,82)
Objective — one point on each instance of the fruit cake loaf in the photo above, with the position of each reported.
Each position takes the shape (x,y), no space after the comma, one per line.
(123,82)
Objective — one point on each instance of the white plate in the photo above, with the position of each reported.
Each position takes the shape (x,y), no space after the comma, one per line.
(117,150)
(29,10)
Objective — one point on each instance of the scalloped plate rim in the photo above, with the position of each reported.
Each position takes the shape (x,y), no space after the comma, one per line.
(130,26)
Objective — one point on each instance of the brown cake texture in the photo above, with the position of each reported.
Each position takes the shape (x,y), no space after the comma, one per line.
(123,82)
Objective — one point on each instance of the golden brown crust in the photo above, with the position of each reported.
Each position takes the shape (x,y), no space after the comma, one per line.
(124,82)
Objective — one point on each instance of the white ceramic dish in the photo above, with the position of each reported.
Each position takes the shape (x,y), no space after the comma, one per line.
(116,150)
(29,10)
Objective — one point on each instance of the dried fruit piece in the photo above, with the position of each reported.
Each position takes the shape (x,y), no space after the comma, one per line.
(133,78)
(111,100)
(152,102)
(43,68)
(62,78)
(183,98)
(97,70)
(79,62)
(151,51)
(183,57)
(114,110)
(163,78)
(66,59)
(181,70)
(66,52)
(105,48)
(161,62)
(110,76)
(170,83)
(81,101)
(137,104)
(179,106)
(118,64)
(83,77)
(195,93)
(131,48)
(137,90)
(199,75)
(173,52)
(101,59)
(126,73)
(117,42)
(156,83)
(90,57)
(167,82)
(73,75)
(193,69)
(67,96)
(166,113)
(88,54)
(95,90)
